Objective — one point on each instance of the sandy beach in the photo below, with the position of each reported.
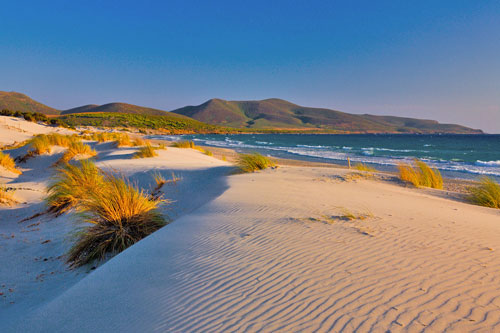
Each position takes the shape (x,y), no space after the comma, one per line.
(300,248)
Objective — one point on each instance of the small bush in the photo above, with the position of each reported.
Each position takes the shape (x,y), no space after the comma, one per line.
(146,151)
(487,193)
(421,175)
(254,162)
(364,167)
(119,216)
(8,163)
(72,184)
(184,144)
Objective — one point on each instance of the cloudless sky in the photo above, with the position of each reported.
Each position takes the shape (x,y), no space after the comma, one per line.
(428,59)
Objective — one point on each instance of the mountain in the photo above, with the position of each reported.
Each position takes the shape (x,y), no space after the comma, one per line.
(116,108)
(15,101)
(281,114)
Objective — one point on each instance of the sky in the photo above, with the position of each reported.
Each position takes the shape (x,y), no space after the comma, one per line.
(425,59)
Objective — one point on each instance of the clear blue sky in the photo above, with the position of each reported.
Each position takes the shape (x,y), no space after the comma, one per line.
(431,59)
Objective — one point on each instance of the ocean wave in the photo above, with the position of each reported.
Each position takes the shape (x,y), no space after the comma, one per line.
(488,163)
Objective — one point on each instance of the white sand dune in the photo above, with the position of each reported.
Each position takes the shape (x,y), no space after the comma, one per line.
(273,254)
(14,130)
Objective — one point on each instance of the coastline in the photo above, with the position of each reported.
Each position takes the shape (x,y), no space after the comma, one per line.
(300,248)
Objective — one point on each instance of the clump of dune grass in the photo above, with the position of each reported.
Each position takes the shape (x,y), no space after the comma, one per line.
(75,149)
(8,163)
(184,144)
(254,162)
(364,167)
(161,146)
(41,144)
(421,175)
(122,140)
(119,216)
(6,198)
(486,193)
(351,216)
(146,151)
(208,153)
(72,184)
(140,142)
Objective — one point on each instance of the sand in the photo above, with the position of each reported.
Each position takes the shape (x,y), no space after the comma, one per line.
(271,251)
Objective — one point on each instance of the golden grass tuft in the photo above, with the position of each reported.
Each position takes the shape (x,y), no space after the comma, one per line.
(486,193)
(122,140)
(184,144)
(75,149)
(146,151)
(8,163)
(43,143)
(120,215)
(6,197)
(140,142)
(364,167)
(208,153)
(254,162)
(421,175)
(73,183)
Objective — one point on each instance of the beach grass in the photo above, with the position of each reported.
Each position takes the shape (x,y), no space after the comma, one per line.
(75,149)
(122,140)
(364,167)
(146,151)
(184,144)
(208,152)
(486,193)
(71,185)
(420,175)
(6,197)
(119,216)
(8,163)
(254,162)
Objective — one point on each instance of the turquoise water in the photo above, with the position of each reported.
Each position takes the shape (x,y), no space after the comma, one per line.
(457,156)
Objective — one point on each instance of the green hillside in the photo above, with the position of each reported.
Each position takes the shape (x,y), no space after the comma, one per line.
(15,101)
(280,114)
(116,108)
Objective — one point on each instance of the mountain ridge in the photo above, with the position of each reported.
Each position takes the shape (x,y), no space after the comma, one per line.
(266,114)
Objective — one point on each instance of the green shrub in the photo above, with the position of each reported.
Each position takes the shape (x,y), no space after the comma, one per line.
(486,193)
(254,162)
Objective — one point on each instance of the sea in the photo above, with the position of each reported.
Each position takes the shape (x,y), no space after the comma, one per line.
(456,156)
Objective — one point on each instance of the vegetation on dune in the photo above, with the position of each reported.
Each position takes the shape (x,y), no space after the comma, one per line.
(72,184)
(122,140)
(421,175)
(486,193)
(6,197)
(120,215)
(184,144)
(364,167)
(146,151)
(208,153)
(254,162)
(75,149)
(8,163)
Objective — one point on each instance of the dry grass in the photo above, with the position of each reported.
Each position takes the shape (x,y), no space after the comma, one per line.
(122,140)
(184,144)
(140,142)
(364,167)
(6,197)
(146,151)
(208,153)
(351,216)
(486,193)
(8,163)
(254,162)
(72,184)
(120,215)
(75,149)
(43,143)
(421,175)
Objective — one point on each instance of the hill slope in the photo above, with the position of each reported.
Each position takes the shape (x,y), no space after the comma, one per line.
(15,101)
(116,108)
(277,113)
